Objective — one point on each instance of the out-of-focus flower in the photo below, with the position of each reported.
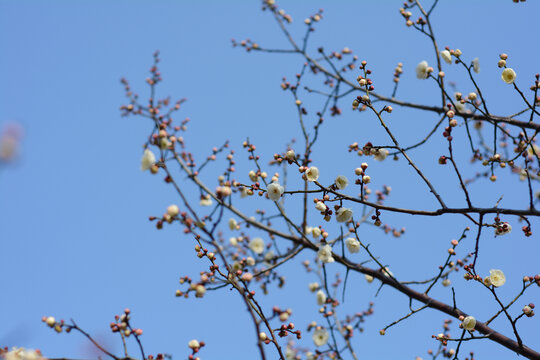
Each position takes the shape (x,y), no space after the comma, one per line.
(381,154)
(321,297)
(233,225)
(446,56)
(23,354)
(320,337)
(476,65)
(206,200)
(148,159)
(9,141)
(257,245)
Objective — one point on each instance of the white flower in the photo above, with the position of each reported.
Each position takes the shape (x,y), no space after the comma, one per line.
(503,228)
(164,143)
(289,353)
(233,225)
(244,192)
(446,282)
(447,57)
(274,191)
(320,337)
(497,277)
(460,107)
(194,344)
(310,356)
(421,70)
(199,291)
(250,261)
(321,298)
(508,75)
(319,205)
(173,210)
(290,155)
(381,154)
(206,200)
(341,182)
(325,254)
(387,272)
(148,159)
(316,232)
(23,354)
(269,255)
(312,174)
(233,241)
(257,245)
(476,65)
(314,286)
(353,245)
(469,323)
(253,176)
(344,214)
(369,278)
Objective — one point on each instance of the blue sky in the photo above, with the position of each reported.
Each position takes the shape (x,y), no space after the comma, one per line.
(74,237)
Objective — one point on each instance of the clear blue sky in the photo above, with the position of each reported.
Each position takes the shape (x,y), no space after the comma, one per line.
(74,237)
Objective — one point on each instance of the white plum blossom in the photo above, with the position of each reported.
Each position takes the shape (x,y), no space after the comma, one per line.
(253,176)
(22,354)
(275,190)
(316,232)
(508,75)
(325,254)
(344,214)
(446,56)
(469,323)
(369,278)
(446,282)
(290,155)
(476,65)
(233,241)
(314,286)
(233,225)
(319,205)
(312,174)
(257,245)
(497,277)
(381,154)
(194,344)
(387,272)
(173,210)
(353,245)
(269,255)
(148,159)
(321,298)
(320,337)
(341,182)
(421,70)
(206,200)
